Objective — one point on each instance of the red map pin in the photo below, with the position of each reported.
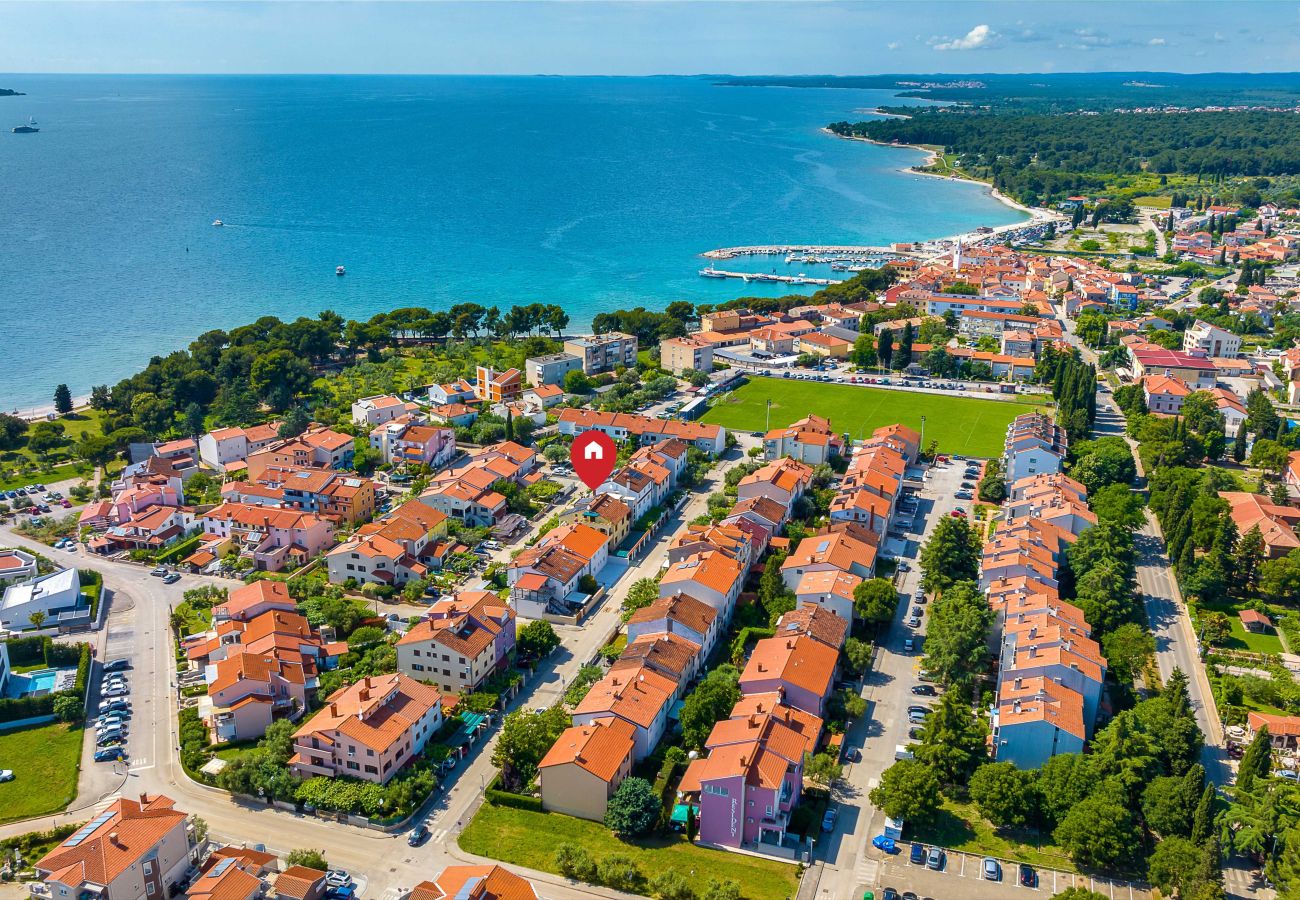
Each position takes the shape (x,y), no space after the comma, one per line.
(592,455)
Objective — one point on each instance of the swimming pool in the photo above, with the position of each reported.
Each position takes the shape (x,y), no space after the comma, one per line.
(40,682)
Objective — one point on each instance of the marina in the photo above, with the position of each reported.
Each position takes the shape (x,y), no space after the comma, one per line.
(710,272)
(821,253)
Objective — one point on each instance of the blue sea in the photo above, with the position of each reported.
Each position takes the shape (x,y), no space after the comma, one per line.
(596,193)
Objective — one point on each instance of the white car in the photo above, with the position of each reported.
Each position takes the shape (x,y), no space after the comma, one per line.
(6,774)
(115,690)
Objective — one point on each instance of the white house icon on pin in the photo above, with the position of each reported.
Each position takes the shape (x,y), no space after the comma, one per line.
(593,451)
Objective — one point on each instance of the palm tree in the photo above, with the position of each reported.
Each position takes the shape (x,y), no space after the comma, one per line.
(37,619)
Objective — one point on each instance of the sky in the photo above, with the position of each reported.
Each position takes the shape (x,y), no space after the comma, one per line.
(572,37)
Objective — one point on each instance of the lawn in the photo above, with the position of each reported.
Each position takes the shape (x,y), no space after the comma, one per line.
(961,827)
(45,760)
(529,839)
(962,425)
(1244,640)
(46,476)
(1153,202)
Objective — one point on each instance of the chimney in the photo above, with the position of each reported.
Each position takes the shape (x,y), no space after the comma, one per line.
(112,839)
(144,799)
(1018,683)
(334,709)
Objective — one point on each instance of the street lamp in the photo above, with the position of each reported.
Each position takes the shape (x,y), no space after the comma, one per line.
(922,433)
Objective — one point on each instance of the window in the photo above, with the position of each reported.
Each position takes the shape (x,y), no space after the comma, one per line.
(716,790)
(372,770)
(370,752)
(417,667)
(149,888)
(148,867)
(353,766)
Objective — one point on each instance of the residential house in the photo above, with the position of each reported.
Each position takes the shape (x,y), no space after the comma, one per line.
(543,577)
(603,352)
(604,512)
(680,354)
(800,667)
(809,440)
(492,386)
(816,622)
(832,551)
(1035,720)
(1034,445)
(248,601)
(1276,524)
(460,642)
(55,597)
(551,368)
(1163,394)
(16,565)
(1210,340)
(828,589)
(783,481)
(711,577)
(368,730)
(315,448)
(1198,372)
(225,448)
(641,697)
(585,766)
(133,850)
(406,442)
(712,439)
(372,411)
(490,882)
(272,538)
(458,391)
(680,615)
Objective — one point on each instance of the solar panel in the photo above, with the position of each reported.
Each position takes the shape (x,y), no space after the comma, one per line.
(219,869)
(89,828)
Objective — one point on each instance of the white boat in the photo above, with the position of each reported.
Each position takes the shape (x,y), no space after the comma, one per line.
(218,223)
(339,270)
(711,272)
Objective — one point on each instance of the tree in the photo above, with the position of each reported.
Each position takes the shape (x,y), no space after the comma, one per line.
(1174,861)
(885,347)
(1127,649)
(634,808)
(1079,893)
(956,643)
(642,593)
(951,555)
(62,400)
(1169,802)
(1261,418)
(295,422)
(12,430)
(1268,455)
(1247,562)
(1116,504)
(952,739)
(1004,794)
(909,789)
(1239,443)
(69,709)
(824,769)
(1099,832)
(312,859)
(619,872)
(575,862)
(37,619)
(536,639)
(1102,462)
(875,600)
(1203,818)
(1256,761)
(864,352)
(278,378)
(1279,579)
(526,736)
(1063,781)
(721,889)
(858,654)
(711,700)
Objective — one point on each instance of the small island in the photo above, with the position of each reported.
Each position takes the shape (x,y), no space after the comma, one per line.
(6,92)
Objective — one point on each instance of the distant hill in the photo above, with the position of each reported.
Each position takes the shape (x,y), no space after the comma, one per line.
(6,92)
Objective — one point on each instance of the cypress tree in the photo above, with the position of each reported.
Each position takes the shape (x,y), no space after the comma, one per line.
(1203,819)
(1239,443)
(1256,761)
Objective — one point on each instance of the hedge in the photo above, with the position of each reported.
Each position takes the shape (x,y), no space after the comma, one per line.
(16,708)
(181,550)
(498,797)
(664,786)
(742,639)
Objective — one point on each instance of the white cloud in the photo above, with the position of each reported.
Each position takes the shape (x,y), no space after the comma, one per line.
(1156,42)
(893,45)
(977,37)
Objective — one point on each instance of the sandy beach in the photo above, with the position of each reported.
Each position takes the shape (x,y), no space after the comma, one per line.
(1036,214)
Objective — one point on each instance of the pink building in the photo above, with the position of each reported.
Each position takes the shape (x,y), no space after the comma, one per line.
(272,538)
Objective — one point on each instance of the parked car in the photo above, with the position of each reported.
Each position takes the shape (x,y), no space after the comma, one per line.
(918,854)
(337,878)
(887,844)
(935,859)
(159,572)
(115,690)
(115,706)
(828,820)
(924,690)
(108,723)
(913,622)
(117,665)
(110,754)
(109,737)
(889,894)
(918,710)
(171,578)
(1028,877)
(991,869)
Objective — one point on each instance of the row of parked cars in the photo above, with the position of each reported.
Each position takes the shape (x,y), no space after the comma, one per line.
(936,859)
(114,713)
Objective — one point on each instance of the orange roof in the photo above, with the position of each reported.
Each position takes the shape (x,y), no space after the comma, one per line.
(637,695)
(1285,726)
(127,831)
(817,622)
(376,711)
(693,614)
(1040,699)
(711,569)
(602,748)
(490,882)
(297,881)
(828,581)
(800,661)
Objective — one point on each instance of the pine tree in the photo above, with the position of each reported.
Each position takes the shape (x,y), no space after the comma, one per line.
(1246,562)
(62,400)
(1203,820)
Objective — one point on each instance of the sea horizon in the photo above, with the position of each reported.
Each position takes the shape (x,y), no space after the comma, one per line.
(595,192)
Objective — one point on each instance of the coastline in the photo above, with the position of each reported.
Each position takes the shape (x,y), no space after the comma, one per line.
(1035,214)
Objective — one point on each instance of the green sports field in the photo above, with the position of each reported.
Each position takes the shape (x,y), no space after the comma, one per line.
(961,424)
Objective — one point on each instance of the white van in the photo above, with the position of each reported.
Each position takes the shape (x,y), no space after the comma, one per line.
(901,752)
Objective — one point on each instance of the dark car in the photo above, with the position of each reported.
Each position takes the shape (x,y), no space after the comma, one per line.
(924,690)
(117,665)
(419,834)
(918,854)
(109,754)
(1028,877)
(889,894)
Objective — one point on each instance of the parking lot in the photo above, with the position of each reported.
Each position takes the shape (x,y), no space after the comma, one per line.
(961,877)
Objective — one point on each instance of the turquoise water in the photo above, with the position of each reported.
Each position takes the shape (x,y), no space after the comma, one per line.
(38,682)
(597,193)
